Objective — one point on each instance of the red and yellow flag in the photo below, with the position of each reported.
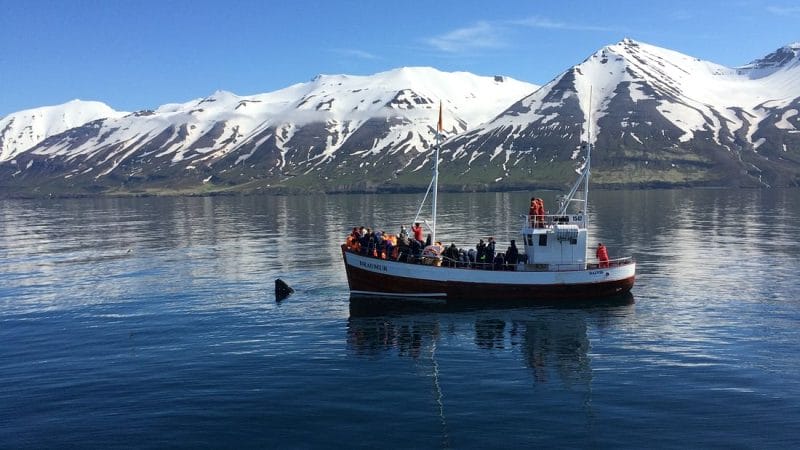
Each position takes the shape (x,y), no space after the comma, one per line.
(439,127)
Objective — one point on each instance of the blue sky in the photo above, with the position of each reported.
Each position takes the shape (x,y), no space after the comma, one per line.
(139,54)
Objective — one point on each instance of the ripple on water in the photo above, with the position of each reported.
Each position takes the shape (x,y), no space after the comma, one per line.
(154,321)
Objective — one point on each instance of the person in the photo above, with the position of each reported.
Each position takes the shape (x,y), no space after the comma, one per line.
(351,239)
(451,255)
(533,210)
(364,241)
(432,254)
(499,261)
(403,248)
(512,255)
(463,259)
(380,244)
(602,255)
(539,213)
(415,250)
(480,256)
(490,250)
(417,230)
(403,232)
(392,249)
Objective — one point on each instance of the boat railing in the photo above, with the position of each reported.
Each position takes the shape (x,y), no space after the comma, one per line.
(441,260)
(548,220)
(616,262)
(467,264)
(444,261)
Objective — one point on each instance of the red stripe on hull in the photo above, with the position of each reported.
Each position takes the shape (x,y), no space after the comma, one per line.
(366,281)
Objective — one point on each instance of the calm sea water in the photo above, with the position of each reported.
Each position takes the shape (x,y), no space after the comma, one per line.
(152,323)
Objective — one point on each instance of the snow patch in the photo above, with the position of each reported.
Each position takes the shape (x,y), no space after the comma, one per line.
(784,123)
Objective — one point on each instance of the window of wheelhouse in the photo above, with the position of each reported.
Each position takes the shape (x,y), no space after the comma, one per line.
(543,240)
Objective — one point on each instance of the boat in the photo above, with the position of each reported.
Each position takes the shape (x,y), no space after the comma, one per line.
(553,267)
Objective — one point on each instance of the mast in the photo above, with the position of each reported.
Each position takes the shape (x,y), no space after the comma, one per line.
(588,162)
(436,172)
(584,174)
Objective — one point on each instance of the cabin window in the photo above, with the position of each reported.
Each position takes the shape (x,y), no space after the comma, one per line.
(573,241)
(542,240)
(529,238)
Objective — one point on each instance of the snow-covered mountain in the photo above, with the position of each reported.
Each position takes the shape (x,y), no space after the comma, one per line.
(657,118)
(23,130)
(342,122)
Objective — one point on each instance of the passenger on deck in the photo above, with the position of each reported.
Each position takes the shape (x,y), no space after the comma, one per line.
(539,213)
(498,262)
(602,255)
(415,251)
(371,244)
(351,243)
(364,241)
(432,254)
(403,232)
(490,250)
(451,255)
(417,230)
(463,259)
(533,210)
(380,245)
(403,248)
(480,256)
(512,255)
(391,248)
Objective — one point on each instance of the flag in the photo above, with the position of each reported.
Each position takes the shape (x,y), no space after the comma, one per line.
(439,127)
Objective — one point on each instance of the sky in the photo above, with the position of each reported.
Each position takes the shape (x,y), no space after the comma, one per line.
(140,54)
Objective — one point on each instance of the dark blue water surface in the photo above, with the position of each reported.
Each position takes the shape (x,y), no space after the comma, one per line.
(152,323)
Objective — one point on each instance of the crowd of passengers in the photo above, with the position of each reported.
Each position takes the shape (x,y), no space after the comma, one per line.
(413,249)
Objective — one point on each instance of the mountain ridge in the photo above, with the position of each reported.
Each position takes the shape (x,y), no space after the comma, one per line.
(659,118)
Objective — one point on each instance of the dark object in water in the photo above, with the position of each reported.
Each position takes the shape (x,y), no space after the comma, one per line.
(282,290)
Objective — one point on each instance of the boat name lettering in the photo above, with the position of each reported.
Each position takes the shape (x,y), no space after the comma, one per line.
(373,266)
(577,218)
(596,272)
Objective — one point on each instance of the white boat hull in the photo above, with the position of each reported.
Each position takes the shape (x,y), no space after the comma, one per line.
(386,278)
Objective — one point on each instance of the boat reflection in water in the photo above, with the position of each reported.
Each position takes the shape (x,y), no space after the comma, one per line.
(364,306)
(448,342)
(550,338)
